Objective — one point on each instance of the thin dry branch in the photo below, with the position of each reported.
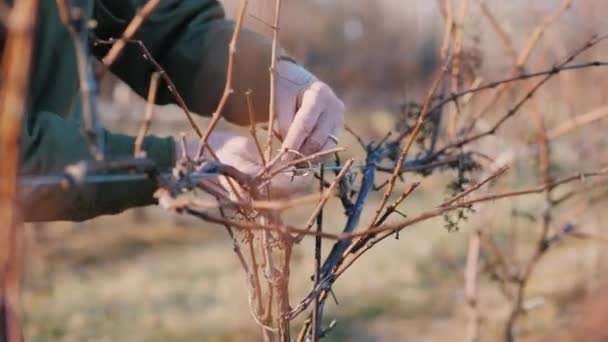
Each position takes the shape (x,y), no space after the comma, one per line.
(576,122)
(316,212)
(217,115)
(316,324)
(382,232)
(544,170)
(521,77)
(267,174)
(502,34)
(449,28)
(456,67)
(252,127)
(273,74)
(515,109)
(16,66)
(140,17)
(520,61)
(75,22)
(388,229)
(145,127)
(410,142)
(538,32)
(462,195)
(471,288)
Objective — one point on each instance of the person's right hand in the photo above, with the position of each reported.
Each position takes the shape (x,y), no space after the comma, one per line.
(309,115)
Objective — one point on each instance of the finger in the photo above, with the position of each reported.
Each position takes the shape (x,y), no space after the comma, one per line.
(328,125)
(318,137)
(286,110)
(306,117)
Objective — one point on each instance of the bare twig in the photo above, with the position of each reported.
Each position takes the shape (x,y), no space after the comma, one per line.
(571,124)
(285,166)
(471,294)
(521,77)
(500,31)
(16,66)
(544,166)
(252,128)
(76,24)
(412,137)
(139,18)
(315,309)
(217,115)
(165,76)
(273,73)
(325,198)
(456,67)
(538,32)
(145,127)
(462,195)
(449,28)
(515,109)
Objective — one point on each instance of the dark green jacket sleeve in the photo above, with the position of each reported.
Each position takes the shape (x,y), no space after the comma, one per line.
(49,143)
(190,39)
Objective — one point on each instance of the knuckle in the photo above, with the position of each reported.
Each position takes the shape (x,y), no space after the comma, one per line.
(318,89)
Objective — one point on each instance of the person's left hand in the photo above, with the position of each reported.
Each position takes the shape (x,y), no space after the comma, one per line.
(241,153)
(309,115)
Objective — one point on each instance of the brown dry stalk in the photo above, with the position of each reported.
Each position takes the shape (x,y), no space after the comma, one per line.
(225,202)
(71,18)
(538,32)
(462,195)
(267,174)
(145,127)
(170,85)
(476,83)
(139,18)
(410,142)
(313,217)
(16,66)
(501,258)
(217,115)
(456,67)
(387,213)
(589,236)
(521,59)
(530,93)
(273,73)
(252,126)
(387,230)
(500,31)
(449,28)
(470,288)
(573,123)
(544,171)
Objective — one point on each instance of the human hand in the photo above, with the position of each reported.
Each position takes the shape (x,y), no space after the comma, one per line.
(241,153)
(309,115)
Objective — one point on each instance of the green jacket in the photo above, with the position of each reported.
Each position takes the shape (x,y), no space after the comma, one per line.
(189,38)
